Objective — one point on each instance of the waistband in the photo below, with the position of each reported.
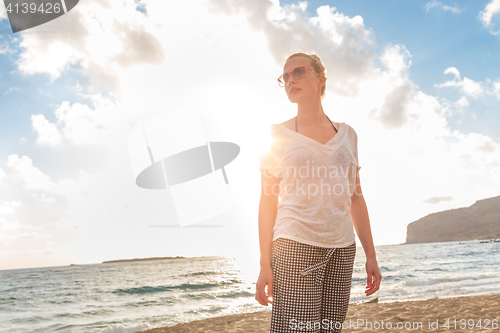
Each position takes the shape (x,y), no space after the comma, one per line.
(321,266)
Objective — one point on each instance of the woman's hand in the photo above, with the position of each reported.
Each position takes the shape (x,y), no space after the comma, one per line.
(265,279)
(373,276)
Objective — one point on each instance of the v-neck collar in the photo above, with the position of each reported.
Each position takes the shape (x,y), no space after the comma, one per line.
(341,130)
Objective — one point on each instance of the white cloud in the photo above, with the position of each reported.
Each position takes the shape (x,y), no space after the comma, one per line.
(348,48)
(3,12)
(6,225)
(25,173)
(434,4)
(10,90)
(453,71)
(8,208)
(470,87)
(5,49)
(397,60)
(467,86)
(393,113)
(435,200)
(483,144)
(78,123)
(496,89)
(2,175)
(102,39)
(47,132)
(35,234)
(45,199)
(492,9)
(462,103)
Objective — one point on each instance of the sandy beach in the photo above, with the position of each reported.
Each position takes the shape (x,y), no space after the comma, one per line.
(458,314)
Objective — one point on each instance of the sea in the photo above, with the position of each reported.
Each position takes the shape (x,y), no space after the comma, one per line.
(140,295)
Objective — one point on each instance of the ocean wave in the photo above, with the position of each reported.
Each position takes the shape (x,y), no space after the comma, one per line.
(385,278)
(120,328)
(235,294)
(183,287)
(100,312)
(138,304)
(385,269)
(203,273)
(142,290)
(7,300)
(210,310)
(430,270)
(217,295)
(60,301)
(429,281)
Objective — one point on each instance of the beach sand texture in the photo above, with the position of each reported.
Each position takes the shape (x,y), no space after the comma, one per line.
(474,309)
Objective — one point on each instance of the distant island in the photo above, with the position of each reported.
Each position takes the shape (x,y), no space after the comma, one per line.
(479,221)
(142,259)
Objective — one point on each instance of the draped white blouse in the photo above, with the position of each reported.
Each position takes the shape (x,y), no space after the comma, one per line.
(317,182)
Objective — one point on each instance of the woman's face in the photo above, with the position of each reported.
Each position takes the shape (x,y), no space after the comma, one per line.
(306,88)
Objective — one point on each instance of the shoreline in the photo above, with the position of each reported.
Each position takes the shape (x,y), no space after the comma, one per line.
(451,314)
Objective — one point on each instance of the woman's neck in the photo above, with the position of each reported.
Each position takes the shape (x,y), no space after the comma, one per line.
(311,115)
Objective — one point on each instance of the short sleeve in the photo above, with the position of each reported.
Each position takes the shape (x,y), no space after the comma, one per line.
(272,159)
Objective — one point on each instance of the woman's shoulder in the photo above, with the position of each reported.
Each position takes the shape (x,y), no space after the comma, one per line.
(275,129)
(349,127)
(275,134)
(280,129)
(350,131)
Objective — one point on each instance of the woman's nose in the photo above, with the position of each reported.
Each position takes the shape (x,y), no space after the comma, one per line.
(290,79)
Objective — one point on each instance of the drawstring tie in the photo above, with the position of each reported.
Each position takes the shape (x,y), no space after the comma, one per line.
(321,265)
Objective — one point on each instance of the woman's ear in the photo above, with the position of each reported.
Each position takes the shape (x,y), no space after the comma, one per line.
(322,81)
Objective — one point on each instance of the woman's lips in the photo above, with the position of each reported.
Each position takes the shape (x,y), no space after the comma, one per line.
(294,90)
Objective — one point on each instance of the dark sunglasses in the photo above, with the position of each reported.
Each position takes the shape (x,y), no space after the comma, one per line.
(298,73)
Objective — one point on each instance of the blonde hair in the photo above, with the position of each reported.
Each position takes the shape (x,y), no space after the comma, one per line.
(317,65)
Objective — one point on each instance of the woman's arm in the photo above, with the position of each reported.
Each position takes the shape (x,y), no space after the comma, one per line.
(361,222)
(268,208)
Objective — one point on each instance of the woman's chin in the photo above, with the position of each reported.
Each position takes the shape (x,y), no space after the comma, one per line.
(294,99)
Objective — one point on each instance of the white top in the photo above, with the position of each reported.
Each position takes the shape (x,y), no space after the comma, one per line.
(316,186)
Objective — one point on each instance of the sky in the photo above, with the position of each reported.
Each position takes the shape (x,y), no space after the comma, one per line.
(419,82)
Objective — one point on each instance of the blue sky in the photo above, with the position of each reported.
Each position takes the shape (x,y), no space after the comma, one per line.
(437,38)
(73,89)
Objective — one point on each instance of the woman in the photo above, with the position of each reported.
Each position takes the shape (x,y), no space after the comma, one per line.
(307,241)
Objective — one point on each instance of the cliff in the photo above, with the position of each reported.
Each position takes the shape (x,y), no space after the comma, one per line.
(479,221)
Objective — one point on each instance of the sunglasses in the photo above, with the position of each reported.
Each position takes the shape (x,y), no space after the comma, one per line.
(298,73)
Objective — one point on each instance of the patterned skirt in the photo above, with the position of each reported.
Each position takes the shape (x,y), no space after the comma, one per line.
(311,286)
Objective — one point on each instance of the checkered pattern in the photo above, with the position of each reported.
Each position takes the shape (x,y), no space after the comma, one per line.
(310,283)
